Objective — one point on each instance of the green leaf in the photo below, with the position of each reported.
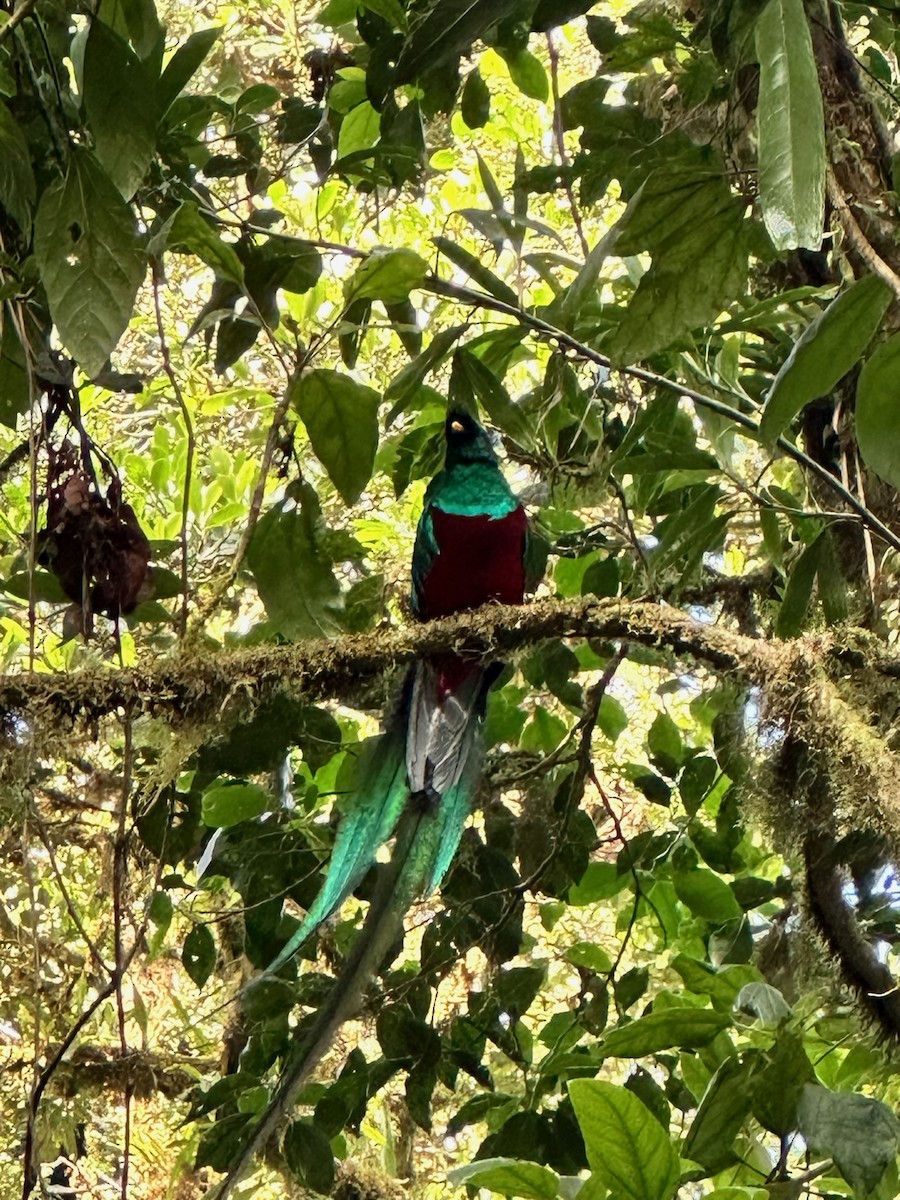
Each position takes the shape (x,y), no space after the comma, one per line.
(493,396)
(228,804)
(15,388)
(189,231)
(475,102)
(476,270)
(508,1177)
(405,383)
(444,31)
(665,744)
(694,229)
(707,895)
(386,275)
(878,411)
(601,881)
(719,1117)
(198,954)
(590,956)
(528,74)
(309,1156)
(764,1002)
(790,126)
(778,1086)
(183,65)
(626,1149)
(402,317)
(797,594)
(359,130)
(827,349)
(136,20)
(341,418)
(90,259)
(612,719)
(686,1027)
(390,10)
(17,187)
(118,99)
(293,571)
(862,1135)
(352,330)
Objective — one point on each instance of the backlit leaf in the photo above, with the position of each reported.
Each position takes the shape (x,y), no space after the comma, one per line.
(226,805)
(90,258)
(341,418)
(790,127)
(626,1148)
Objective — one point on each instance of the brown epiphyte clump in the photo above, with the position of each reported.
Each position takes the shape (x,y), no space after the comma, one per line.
(93,544)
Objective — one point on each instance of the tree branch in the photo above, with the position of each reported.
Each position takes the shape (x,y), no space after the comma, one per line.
(200,686)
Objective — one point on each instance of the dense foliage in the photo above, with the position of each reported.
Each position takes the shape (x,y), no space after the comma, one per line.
(247,255)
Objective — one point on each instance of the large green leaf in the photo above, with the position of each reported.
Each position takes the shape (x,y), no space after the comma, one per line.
(226,805)
(189,231)
(288,558)
(790,128)
(15,389)
(444,30)
(386,275)
(17,188)
(798,592)
(90,258)
(694,229)
(626,1148)
(829,346)
(719,1117)
(309,1156)
(508,1177)
(707,895)
(686,1026)
(183,64)
(198,954)
(341,418)
(475,269)
(119,101)
(862,1135)
(878,411)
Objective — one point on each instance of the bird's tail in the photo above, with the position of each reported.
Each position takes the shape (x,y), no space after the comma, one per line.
(377,806)
(427,837)
(430,745)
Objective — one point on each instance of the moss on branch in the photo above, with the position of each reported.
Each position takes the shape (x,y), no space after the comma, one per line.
(197,685)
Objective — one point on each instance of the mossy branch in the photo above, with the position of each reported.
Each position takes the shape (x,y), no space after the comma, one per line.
(197,685)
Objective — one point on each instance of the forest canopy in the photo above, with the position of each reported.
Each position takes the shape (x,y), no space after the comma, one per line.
(251,255)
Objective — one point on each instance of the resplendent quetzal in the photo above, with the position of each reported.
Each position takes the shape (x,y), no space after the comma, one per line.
(420,777)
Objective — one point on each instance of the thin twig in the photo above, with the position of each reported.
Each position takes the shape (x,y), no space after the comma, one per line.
(17,18)
(73,912)
(858,239)
(120,879)
(559,134)
(189,457)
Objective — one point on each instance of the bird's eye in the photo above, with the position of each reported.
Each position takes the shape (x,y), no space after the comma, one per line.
(457,426)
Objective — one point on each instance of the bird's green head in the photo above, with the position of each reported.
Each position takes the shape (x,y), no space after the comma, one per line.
(467,441)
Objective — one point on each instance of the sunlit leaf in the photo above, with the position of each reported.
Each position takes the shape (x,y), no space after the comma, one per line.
(791,128)
(827,349)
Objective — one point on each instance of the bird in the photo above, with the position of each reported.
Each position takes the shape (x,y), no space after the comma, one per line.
(418,780)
